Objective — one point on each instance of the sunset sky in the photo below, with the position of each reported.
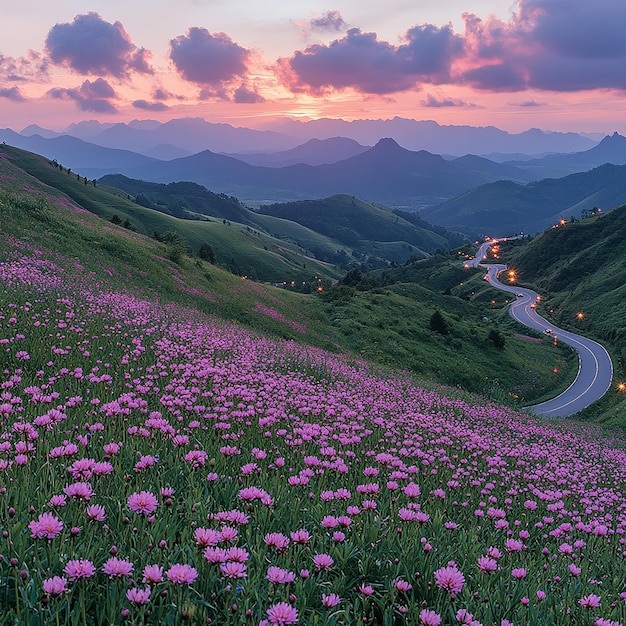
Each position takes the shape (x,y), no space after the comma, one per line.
(550,64)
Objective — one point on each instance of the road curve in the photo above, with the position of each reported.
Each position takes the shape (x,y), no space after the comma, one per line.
(595,368)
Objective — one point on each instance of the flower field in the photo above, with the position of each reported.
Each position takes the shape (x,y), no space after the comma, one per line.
(161,467)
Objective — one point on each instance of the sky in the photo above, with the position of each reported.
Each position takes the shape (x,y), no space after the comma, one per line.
(557,65)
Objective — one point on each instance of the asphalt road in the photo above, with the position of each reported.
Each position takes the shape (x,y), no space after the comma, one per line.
(595,368)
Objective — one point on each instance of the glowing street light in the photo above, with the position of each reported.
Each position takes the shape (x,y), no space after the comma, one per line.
(580,315)
(621,386)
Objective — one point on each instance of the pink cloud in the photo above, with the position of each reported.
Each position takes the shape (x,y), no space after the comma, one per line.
(91,45)
(12,93)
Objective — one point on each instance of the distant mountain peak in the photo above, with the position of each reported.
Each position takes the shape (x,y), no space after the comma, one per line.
(387,145)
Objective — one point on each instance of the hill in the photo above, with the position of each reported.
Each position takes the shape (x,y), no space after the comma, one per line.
(581,267)
(359,224)
(237,247)
(340,229)
(506,207)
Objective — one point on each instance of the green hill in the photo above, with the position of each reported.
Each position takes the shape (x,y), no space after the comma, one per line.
(581,267)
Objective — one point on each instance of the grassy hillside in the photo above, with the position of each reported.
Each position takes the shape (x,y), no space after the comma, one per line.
(237,247)
(581,268)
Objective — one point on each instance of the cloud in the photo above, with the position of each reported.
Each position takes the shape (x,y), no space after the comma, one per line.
(208,60)
(329,21)
(244,95)
(150,106)
(549,45)
(363,62)
(31,68)
(12,93)
(552,45)
(91,45)
(433,102)
(528,104)
(90,96)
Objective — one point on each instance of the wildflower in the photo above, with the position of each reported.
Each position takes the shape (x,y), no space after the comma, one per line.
(282,613)
(207,537)
(152,574)
(79,569)
(330,600)
(322,561)
(215,555)
(237,554)
(338,536)
(144,502)
(47,526)
(138,596)
(463,616)
(117,568)
(279,576)
(55,586)
(591,601)
(412,490)
(300,536)
(574,570)
(182,574)
(430,618)
(487,564)
(541,595)
(276,540)
(57,501)
(80,491)
(519,573)
(233,569)
(96,513)
(450,579)
(366,590)
(402,585)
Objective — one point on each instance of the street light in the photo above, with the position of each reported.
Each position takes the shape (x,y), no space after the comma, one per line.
(580,315)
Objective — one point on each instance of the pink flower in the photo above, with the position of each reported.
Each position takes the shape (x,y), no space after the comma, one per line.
(57,501)
(152,574)
(591,601)
(207,537)
(322,561)
(430,618)
(138,596)
(276,540)
(329,521)
(402,585)
(117,568)
(182,574)
(215,555)
(279,576)
(574,570)
(450,579)
(79,569)
(412,490)
(330,600)
(47,526)
(55,586)
(366,590)
(541,595)
(144,502)
(300,536)
(233,569)
(487,564)
(80,491)
(96,513)
(282,613)
(463,616)
(518,573)
(237,554)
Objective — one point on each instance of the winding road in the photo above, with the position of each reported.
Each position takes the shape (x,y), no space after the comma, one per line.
(595,368)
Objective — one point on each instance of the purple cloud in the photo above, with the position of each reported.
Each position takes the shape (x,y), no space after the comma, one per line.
(12,93)
(437,103)
(552,45)
(150,106)
(209,60)
(91,45)
(244,95)
(33,67)
(329,21)
(91,96)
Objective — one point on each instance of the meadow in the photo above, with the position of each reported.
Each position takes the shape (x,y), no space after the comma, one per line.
(161,466)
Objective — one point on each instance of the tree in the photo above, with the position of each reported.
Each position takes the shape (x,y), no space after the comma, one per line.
(496,337)
(206,253)
(438,324)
